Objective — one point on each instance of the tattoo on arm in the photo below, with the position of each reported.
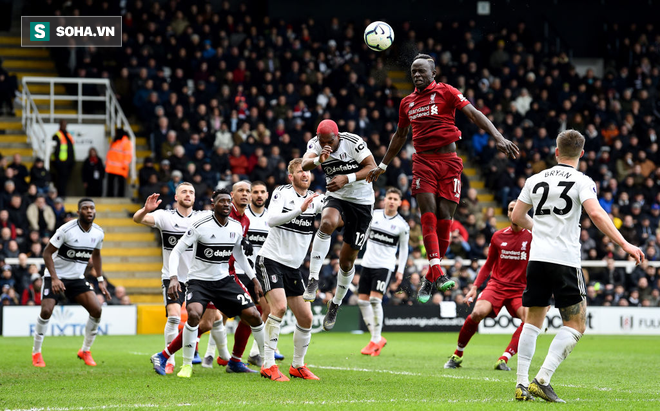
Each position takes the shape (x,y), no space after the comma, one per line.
(576,312)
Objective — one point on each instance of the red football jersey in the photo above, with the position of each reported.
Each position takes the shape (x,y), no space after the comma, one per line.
(432,115)
(507,260)
(245,223)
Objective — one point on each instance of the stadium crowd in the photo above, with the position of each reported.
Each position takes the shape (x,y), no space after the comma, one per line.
(225,97)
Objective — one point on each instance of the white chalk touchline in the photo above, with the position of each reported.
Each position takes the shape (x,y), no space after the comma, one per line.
(457,377)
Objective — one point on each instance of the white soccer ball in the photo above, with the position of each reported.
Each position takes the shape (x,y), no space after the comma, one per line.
(379,36)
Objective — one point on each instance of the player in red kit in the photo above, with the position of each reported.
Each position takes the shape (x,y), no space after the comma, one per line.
(430,111)
(507,265)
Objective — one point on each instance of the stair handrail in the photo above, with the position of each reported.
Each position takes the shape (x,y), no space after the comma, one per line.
(34,128)
(114,116)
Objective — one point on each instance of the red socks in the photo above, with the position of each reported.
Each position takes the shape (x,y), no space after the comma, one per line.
(176,344)
(444,235)
(241,337)
(429,222)
(467,331)
(512,348)
(436,241)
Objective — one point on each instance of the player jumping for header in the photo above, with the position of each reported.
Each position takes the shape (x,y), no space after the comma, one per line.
(437,168)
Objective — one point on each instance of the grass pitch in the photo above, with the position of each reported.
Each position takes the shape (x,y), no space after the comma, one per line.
(603,372)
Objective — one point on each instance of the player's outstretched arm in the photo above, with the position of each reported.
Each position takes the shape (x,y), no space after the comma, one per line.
(396,144)
(520,216)
(602,220)
(142,216)
(477,117)
(243,263)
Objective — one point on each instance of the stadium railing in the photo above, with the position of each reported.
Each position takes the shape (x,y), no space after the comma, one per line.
(113,117)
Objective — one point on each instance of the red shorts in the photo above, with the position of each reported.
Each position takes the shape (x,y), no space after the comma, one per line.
(438,174)
(512,300)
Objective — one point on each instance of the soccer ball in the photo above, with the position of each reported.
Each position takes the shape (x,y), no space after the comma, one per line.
(379,36)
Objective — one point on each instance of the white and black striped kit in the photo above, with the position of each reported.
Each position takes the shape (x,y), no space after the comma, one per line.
(173,225)
(75,247)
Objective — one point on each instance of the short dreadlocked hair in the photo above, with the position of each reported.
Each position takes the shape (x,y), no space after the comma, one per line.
(219,191)
(427,58)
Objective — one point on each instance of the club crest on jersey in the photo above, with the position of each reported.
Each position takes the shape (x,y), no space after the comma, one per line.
(393,227)
(524,245)
(342,156)
(412,103)
(432,101)
(232,235)
(504,244)
(172,240)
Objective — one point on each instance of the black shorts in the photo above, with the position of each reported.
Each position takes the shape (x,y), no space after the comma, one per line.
(225,294)
(168,300)
(73,287)
(357,218)
(545,279)
(374,279)
(272,274)
(249,286)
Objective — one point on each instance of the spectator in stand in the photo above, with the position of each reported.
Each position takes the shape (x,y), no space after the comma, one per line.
(32,294)
(118,164)
(17,213)
(93,173)
(39,176)
(147,171)
(41,217)
(63,158)
(20,171)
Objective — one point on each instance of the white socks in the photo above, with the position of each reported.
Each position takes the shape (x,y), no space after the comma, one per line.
(218,338)
(189,343)
(301,339)
(91,328)
(273,335)
(560,348)
(170,332)
(343,282)
(260,337)
(320,249)
(367,314)
(526,348)
(39,332)
(377,307)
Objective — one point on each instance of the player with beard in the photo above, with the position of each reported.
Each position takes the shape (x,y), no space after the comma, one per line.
(66,257)
(430,111)
(291,218)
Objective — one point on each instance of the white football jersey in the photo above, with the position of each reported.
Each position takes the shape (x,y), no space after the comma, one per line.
(74,249)
(257,233)
(213,244)
(385,236)
(346,160)
(288,243)
(173,225)
(556,196)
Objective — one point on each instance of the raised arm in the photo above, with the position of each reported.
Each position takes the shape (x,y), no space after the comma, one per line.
(478,118)
(396,144)
(243,263)
(143,216)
